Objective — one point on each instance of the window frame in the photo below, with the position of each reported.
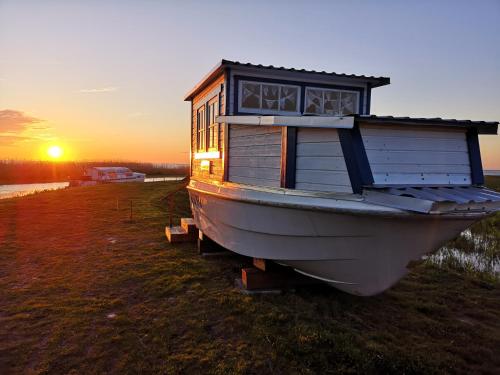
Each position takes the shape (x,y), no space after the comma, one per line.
(340,91)
(261,110)
(213,110)
(201,128)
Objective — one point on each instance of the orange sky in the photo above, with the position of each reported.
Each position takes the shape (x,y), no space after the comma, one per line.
(105,80)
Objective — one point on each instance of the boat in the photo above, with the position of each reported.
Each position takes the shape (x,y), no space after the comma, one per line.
(104,175)
(289,165)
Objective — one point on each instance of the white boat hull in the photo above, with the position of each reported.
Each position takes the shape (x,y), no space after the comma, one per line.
(363,251)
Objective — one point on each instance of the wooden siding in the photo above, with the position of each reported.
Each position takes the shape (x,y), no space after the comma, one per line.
(320,162)
(403,155)
(216,171)
(254,155)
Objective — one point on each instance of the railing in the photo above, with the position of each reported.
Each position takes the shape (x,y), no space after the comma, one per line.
(170,198)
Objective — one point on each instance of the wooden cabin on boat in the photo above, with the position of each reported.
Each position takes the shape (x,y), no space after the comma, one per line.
(311,151)
(290,165)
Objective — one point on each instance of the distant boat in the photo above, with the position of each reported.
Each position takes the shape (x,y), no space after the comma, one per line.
(104,175)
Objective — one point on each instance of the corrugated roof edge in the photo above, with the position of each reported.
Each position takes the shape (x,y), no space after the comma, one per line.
(376,81)
(484,127)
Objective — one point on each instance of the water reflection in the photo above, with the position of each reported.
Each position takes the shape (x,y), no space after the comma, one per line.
(479,254)
(19,190)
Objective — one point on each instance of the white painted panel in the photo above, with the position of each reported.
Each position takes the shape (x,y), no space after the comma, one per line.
(256,161)
(264,173)
(317,135)
(320,162)
(254,155)
(266,150)
(243,130)
(260,139)
(319,149)
(335,163)
(417,157)
(341,122)
(423,155)
(421,179)
(411,131)
(415,144)
(322,187)
(421,168)
(255,181)
(323,177)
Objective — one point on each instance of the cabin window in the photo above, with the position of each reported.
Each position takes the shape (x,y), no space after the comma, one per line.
(268,98)
(331,102)
(201,129)
(213,112)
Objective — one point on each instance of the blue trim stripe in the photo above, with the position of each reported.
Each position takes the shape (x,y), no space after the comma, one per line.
(476,165)
(368,98)
(288,156)
(355,157)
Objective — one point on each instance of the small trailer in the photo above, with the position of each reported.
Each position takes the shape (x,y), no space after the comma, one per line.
(289,165)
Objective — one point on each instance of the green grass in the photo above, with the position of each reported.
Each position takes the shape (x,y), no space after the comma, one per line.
(84,289)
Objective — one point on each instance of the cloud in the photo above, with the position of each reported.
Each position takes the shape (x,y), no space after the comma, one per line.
(16,121)
(10,140)
(98,90)
(16,126)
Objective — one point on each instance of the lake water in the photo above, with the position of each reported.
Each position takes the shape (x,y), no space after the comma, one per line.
(492,172)
(19,190)
(483,258)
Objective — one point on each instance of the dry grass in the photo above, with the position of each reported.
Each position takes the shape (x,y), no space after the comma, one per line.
(85,290)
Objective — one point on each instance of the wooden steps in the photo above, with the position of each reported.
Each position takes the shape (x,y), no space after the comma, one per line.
(186,232)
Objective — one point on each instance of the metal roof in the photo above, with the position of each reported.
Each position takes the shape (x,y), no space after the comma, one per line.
(456,194)
(484,127)
(375,81)
(426,199)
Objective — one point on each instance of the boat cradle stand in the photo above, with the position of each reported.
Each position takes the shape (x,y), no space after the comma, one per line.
(269,277)
(264,277)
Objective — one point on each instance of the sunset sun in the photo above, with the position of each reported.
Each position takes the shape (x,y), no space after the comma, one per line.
(55,152)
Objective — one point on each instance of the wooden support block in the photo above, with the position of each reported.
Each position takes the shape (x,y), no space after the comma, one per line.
(266,264)
(260,263)
(207,245)
(254,278)
(279,278)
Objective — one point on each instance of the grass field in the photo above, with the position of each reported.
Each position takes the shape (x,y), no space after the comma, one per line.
(84,289)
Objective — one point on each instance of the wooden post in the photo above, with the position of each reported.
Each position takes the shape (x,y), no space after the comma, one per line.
(131,210)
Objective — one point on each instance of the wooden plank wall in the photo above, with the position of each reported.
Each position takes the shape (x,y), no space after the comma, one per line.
(320,162)
(417,155)
(216,171)
(255,155)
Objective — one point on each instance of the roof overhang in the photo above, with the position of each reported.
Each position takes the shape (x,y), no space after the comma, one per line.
(483,127)
(205,81)
(223,64)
